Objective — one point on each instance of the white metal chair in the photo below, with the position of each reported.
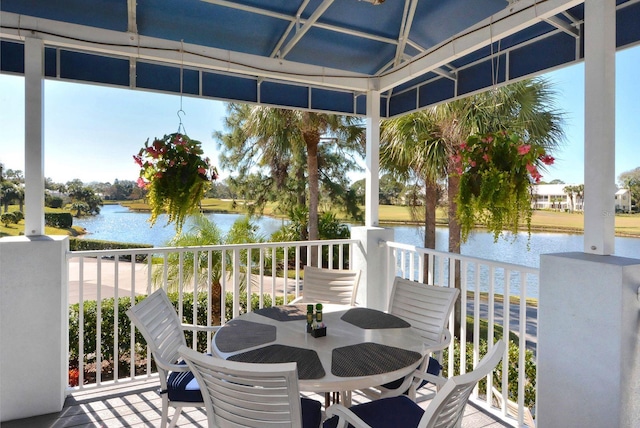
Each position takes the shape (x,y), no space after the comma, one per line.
(444,411)
(338,286)
(427,308)
(157,320)
(240,394)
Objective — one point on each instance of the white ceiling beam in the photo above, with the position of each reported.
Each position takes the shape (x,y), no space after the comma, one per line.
(129,45)
(563,25)
(132,20)
(302,21)
(405,29)
(306,27)
(276,50)
(502,24)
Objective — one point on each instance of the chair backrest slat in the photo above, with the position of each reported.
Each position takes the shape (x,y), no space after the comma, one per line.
(240,394)
(337,286)
(425,307)
(158,322)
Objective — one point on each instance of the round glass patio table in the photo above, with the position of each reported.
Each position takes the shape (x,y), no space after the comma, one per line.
(362,348)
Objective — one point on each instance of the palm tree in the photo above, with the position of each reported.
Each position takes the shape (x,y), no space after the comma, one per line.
(423,142)
(411,148)
(8,193)
(287,141)
(194,266)
(570,191)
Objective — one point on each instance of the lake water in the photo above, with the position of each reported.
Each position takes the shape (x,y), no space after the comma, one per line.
(117,223)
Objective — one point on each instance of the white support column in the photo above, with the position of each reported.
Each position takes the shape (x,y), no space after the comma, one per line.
(599,180)
(34,136)
(370,257)
(372,178)
(588,341)
(34,317)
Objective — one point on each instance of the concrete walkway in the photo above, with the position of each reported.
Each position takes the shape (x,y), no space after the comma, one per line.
(109,277)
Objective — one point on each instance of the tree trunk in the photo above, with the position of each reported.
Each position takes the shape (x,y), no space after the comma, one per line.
(430,204)
(312,140)
(454,240)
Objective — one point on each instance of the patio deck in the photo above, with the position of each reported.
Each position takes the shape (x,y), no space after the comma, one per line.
(138,405)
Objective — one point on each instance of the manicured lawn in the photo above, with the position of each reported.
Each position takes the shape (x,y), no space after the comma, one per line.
(551,221)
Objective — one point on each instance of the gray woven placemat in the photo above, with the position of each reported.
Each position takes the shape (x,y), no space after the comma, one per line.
(309,365)
(371,319)
(284,313)
(240,334)
(366,359)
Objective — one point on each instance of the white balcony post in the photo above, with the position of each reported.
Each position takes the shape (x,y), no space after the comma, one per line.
(599,153)
(34,136)
(372,178)
(370,256)
(34,321)
(588,353)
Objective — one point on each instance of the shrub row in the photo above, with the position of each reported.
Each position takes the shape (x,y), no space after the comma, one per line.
(82,244)
(122,348)
(60,220)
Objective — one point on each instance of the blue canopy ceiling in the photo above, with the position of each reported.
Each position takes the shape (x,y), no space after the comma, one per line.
(312,54)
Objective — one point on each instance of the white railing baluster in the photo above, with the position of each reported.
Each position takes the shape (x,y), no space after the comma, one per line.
(132,328)
(81,323)
(194,306)
(116,307)
(463,310)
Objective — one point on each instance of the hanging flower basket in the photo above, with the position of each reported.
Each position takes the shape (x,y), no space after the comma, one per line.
(176,176)
(497,171)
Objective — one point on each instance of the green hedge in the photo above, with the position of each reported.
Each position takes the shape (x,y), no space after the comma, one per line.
(60,220)
(124,325)
(82,244)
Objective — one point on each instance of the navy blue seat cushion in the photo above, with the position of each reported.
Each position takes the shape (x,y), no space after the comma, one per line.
(392,412)
(433,368)
(311,413)
(177,387)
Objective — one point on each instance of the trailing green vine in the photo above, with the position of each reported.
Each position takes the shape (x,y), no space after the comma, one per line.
(497,171)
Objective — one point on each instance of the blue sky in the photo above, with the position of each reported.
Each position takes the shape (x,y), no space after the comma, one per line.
(92,132)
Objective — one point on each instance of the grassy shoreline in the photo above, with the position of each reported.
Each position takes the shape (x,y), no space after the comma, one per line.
(626,225)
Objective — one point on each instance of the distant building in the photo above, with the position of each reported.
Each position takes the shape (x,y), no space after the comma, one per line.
(553,197)
(623,201)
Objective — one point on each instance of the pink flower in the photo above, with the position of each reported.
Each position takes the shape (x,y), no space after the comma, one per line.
(524,149)
(547,160)
(158,174)
(472,163)
(141,183)
(138,160)
(535,174)
(463,146)
(486,157)
(202,171)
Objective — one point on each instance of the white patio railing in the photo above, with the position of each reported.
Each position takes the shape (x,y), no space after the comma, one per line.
(498,293)
(103,344)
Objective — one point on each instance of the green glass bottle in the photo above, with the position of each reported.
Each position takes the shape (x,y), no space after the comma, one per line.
(319,313)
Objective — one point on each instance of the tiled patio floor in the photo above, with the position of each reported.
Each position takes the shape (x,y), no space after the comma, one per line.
(138,405)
